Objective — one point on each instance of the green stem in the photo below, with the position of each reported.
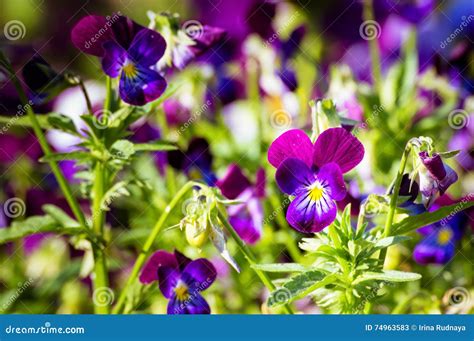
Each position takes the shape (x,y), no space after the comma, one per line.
(394,199)
(62,182)
(86,96)
(100,279)
(368,14)
(250,257)
(144,253)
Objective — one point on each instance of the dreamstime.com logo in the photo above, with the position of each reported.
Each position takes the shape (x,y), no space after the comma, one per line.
(46,329)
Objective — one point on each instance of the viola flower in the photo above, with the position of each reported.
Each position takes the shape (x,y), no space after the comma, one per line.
(184,44)
(246,218)
(127,50)
(181,280)
(196,161)
(313,173)
(435,177)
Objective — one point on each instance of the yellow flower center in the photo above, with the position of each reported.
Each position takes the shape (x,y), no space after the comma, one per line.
(130,70)
(444,236)
(316,192)
(181,291)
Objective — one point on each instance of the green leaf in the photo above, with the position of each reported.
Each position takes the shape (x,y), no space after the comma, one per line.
(77,155)
(122,149)
(117,190)
(299,286)
(62,122)
(280,267)
(389,241)
(155,146)
(388,276)
(444,213)
(450,154)
(32,225)
(61,217)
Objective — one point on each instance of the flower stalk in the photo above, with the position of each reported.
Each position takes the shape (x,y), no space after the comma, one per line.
(250,257)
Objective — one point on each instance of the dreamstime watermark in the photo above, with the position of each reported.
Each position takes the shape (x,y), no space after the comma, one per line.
(377,110)
(458,208)
(280,296)
(205,107)
(464,23)
(458,119)
(193,29)
(110,20)
(21,288)
(102,119)
(272,216)
(282,28)
(192,296)
(19,113)
(280,119)
(370,30)
(14,30)
(14,208)
(458,299)
(46,329)
(103,296)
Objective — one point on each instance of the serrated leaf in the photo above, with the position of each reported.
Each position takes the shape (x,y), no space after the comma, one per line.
(388,276)
(122,149)
(280,267)
(62,122)
(415,222)
(32,225)
(155,146)
(61,217)
(389,241)
(299,286)
(117,190)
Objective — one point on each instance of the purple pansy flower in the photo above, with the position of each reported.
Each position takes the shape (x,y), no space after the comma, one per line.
(127,50)
(181,280)
(435,177)
(313,173)
(246,218)
(196,161)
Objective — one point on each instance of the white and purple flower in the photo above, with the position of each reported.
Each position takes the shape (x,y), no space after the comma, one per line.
(313,173)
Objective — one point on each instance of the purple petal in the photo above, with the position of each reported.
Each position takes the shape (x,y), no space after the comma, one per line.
(330,175)
(339,146)
(308,216)
(293,174)
(114,58)
(199,274)
(430,251)
(182,260)
(147,47)
(260,183)
(434,164)
(195,305)
(145,87)
(124,31)
(248,222)
(233,182)
(90,33)
(156,260)
(169,277)
(293,143)
(450,178)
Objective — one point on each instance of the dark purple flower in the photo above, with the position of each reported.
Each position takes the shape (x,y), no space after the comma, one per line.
(437,248)
(246,218)
(314,174)
(181,280)
(196,161)
(435,177)
(127,50)
(463,140)
(176,112)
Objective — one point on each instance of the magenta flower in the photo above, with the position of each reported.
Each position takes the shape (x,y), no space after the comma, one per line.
(314,174)
(246,218)
(127,50)
(181,280)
